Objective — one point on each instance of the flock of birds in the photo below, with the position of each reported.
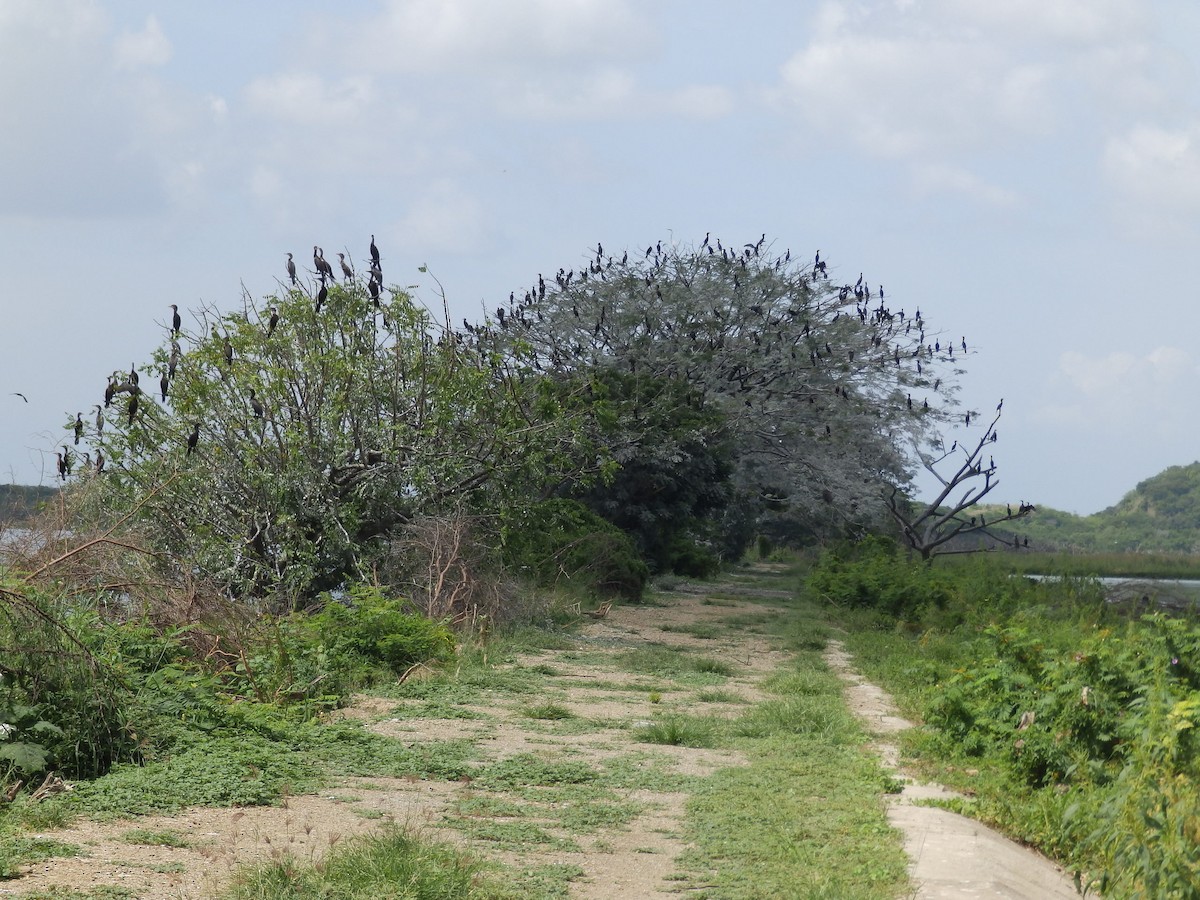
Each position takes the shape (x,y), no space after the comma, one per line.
(131,384)
(746,304)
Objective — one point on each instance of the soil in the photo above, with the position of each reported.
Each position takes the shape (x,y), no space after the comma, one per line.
(635,860)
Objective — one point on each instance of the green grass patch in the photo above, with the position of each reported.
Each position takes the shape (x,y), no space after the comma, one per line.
(550,711)
(679,731)
(388,864)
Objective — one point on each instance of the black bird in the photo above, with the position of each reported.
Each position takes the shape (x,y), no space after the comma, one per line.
(62,466)
(78,426)
(324,269)
(291,268)
(193,439)
(110,391)
(173,361)
(164,384)
(133,408)
(273,321)
(176,320)
(133,375)
(99,461)
(347,272)
(373,290)
(322,296)
(374,251)
(255,405)
(228,351)
(99,419)
(22,396)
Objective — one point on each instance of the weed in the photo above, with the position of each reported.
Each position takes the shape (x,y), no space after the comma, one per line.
(678,731)
(552,711)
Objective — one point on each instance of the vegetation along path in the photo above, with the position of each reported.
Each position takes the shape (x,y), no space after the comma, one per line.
(699,744)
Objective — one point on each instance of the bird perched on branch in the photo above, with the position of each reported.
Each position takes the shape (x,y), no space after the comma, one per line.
(78,427)
(291,268)
(193,439)
(176,319)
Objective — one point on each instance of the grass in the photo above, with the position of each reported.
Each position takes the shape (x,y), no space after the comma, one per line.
(679,731)
(804,818)
(150,838)
(389,864)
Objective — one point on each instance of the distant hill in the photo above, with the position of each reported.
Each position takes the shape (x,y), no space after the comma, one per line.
(18,501)
(1160,515)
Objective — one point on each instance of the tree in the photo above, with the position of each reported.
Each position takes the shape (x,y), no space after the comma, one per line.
(296,436)
(821,384)
(945,525)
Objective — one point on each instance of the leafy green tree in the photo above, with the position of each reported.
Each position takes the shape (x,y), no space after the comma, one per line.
(298,435)
(820,385)
(674,460)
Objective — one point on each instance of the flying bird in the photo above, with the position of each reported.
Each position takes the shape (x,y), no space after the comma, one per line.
(22,396)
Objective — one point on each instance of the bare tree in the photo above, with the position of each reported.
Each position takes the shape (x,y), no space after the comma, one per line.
(939,527)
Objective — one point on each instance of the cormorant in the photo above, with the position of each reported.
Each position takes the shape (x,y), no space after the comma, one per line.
(374,252)
(62,466)
(291,268)
(173,362)
(228,351)
(193,439)
(133,375)
(273,321)
(164,384)
(78,426)
(347,272)
(322,296)
(110,390)
(99,419)
(176,320)
(133,407)
(255,405)
(99,461)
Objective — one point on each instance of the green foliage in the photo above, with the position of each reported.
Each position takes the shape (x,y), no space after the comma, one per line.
(679,731)
(18,502)
(875,574)
(1160,515)
(674,459)
(1085,722)
(379,629)
(388,865)
(371,415)
(561,540)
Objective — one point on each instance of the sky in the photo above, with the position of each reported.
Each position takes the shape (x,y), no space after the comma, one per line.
(1027,173)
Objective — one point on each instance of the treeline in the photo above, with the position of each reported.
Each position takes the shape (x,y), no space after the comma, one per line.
(19,502)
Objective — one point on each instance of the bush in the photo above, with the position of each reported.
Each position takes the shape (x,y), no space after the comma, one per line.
(562,540)
(874,574)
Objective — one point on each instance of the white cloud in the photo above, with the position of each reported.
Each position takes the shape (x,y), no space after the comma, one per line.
(935,178)
(1156,167)
(457,36)
(141,49)
(305,98)
(445,218)
(1076,21)
(1123,390)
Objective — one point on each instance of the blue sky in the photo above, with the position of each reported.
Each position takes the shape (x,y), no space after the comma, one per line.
(1026,172)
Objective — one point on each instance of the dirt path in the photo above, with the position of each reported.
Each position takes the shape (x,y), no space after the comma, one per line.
(951,856)
(618,836)
(192,854)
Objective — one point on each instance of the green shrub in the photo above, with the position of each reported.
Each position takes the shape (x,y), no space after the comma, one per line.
(562,540)
(873,573)
(379,629)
